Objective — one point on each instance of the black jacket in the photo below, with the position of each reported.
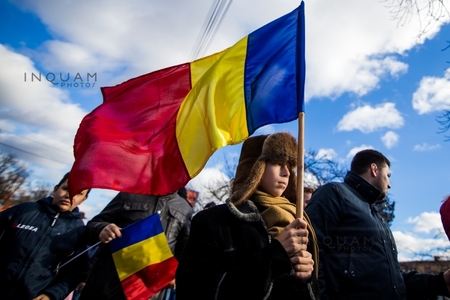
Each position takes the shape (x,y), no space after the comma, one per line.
(358,254)
(124,209)
(34,240)
(230,255)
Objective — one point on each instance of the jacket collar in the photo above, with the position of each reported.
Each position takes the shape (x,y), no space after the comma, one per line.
(368,191)
(46,203)
(245,211)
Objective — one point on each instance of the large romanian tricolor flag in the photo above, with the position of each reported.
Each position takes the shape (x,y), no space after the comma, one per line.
(154,133)
(143,259)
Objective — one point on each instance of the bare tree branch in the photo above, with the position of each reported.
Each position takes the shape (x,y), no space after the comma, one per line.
(12,176)
(444,122)
(428,13)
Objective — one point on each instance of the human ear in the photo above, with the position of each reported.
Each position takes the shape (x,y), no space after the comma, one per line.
(374,169)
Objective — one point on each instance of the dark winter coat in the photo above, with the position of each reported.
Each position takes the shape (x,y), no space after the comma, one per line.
(358,254)
(124,209)
(34,240)
(230,255)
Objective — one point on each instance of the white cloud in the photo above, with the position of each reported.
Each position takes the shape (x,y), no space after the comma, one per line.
(355,150)
(69,57)
(426,222)
(326,154)
(433,94)
(349,58)
(43,114)
(390,139)
(368,119)
(206,181)
(267,129)
(310,180)
(426,240)
(426,147)
(36,103)
(96,202)
(413,247)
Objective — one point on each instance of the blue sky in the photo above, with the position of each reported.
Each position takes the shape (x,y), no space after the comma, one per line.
(372,82)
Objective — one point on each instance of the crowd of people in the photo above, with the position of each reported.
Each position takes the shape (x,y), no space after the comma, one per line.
(254,246)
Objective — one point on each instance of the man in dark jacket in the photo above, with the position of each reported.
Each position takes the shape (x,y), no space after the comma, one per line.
(175,214)
(358,254)
(35,238)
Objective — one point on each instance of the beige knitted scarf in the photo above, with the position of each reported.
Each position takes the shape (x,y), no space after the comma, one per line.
(278,212)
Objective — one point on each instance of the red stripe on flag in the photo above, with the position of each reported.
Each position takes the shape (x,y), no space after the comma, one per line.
(129,142)
(150,280)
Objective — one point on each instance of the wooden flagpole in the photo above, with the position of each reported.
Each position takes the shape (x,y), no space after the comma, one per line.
(300,164)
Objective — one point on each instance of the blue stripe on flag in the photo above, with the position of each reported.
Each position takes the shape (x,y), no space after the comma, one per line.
(274,71)
(137,232)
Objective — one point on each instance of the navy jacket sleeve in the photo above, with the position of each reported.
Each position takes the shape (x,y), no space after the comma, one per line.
(424,286)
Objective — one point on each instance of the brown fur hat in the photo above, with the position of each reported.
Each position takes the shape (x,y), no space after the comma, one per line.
(256,150)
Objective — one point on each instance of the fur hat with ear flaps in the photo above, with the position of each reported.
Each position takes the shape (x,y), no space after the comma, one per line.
(256,151)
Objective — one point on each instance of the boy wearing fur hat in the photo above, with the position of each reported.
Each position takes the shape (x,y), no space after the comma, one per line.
(253,247)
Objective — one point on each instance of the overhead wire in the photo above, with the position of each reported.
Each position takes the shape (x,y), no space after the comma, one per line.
(209,29)
(34,141)
(32,153)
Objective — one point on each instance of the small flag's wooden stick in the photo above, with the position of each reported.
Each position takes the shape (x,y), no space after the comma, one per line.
(76,256)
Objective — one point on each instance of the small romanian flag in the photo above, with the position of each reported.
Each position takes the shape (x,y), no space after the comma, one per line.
(144,262)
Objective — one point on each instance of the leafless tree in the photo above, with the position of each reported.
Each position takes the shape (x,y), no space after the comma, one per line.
(12,176)
(429,12)
(444,122)
(14,188)
(322,168)
(433,11)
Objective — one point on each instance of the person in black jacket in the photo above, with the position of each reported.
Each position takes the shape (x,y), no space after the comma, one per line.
(253,247)
(175,214)
(358,254)
(37,237)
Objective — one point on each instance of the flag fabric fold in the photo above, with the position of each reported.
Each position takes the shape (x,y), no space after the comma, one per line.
(142,257)
(154,133)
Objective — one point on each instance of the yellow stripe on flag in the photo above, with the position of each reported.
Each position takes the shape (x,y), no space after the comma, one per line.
(134,258)
(213,114)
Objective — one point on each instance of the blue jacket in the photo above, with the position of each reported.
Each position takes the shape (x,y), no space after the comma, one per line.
(358,254)
(34,240)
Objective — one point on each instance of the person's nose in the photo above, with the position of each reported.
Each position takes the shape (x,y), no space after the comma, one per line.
(285,171)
